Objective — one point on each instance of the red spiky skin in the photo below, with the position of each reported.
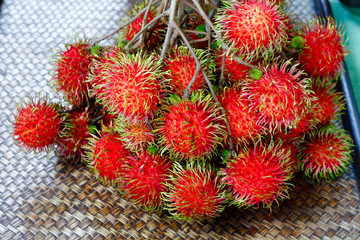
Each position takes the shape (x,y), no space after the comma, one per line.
(195,194)
(107,157)
(327,104)
(190,128)
(323,52)
(134,27)
(258,176)
(146,179)
(131,85)
(280,96)
(326,153)
(72,70)
(182,67)
(75,135)
(37,125)
(255,27)
(234,72)
(136,134)
(243,123)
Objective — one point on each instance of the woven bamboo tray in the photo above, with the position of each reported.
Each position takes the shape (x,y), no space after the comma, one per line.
(43,197)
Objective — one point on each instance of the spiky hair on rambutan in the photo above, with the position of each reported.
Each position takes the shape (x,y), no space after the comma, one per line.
(181,66)
(234,72)
(130,85)
(195,192)
(190,128)
(145,180)
(258,175)
(243,123)
(326,153)
(281,96)
(106,156)
(38,124)
(71,69)
(157,34)
(323,51)
(327,103)
(76,133)
(135,132)
(256,28)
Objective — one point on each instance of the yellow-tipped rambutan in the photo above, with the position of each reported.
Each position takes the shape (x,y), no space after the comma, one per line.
(326,153)
(190,128)
(195,192)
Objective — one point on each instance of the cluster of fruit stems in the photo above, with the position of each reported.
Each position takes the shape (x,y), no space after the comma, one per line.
(175,12)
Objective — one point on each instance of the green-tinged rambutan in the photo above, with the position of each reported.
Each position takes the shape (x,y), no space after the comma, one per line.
(145,179)
(181,67)
(256,28)
(258,175)
(130,84)
(106,156)
(323,51)
(135,133)
(37,124)
(190,128)
(195,192)
(327,103)
(155,36)
(234,72)
(71,72)
(243,123)
(76,133)
(280,96)
(326,153)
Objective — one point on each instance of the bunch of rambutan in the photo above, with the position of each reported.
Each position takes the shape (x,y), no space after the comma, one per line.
(188,127)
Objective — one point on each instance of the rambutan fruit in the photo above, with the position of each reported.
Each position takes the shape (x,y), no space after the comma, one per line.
(145,179)
(71,72)
(37,125)
(256,28)
(181,67)
(76,134)
(327,103)
(156,35)
(243,123)
(190,128)
(195,192)
(130,84)
(280,96)
(106,156)
(326,153)
(258,175)
(234,72)
(323,51)
(135,133)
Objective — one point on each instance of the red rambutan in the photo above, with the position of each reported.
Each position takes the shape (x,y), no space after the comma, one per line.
(135,133)
(195,193)
(131,84)
(106,156)
(326,153)
(181,67)
(71,72)
(258,175)
(190,128)
(145,179)
(37,125)
(280,96)
(243,123)
(76,134)
(254,27)
(323,51)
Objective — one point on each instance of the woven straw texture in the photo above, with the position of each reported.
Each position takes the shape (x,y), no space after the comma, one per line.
(42,197)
